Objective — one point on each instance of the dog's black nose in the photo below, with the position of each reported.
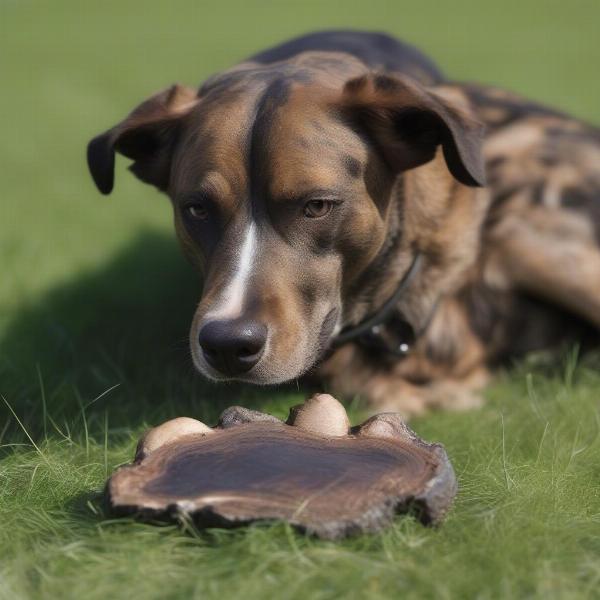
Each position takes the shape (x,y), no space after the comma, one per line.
(232,347)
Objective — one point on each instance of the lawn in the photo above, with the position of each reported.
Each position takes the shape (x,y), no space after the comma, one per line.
(95,301)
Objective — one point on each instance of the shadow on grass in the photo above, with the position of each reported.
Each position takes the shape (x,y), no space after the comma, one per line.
(123,325)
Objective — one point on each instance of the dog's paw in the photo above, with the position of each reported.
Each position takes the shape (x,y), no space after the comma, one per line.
(392,394)
(398,395)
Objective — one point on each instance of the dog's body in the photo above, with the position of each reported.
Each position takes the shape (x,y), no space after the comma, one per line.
(313,181)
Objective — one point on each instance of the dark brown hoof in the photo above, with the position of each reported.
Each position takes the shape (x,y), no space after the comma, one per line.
(313,471)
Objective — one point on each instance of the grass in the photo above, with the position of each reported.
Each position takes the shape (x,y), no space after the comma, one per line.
(95,302)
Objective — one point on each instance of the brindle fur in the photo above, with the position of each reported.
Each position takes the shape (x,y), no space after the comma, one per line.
(507,269)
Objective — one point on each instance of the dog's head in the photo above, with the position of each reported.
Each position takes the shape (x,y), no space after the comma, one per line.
(281,182)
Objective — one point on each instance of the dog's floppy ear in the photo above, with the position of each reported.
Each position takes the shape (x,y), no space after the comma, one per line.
(407,123)
(147,136)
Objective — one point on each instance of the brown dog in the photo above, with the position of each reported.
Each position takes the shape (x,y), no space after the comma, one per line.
(330,192)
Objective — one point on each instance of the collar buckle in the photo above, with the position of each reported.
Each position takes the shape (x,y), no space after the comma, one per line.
(385,330)
(396,339)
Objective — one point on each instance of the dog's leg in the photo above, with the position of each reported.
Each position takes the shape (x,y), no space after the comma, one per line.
(389,391)
(446,369)
(395,394)
(550,253)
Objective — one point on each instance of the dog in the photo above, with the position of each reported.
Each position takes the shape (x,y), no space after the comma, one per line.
(360,219)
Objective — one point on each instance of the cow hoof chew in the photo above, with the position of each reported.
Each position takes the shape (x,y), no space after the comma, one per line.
(313,471)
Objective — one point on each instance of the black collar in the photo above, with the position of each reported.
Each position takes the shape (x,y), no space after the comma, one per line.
(370,332)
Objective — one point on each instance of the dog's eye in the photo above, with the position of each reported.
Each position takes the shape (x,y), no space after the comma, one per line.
(197,212)
(317,208)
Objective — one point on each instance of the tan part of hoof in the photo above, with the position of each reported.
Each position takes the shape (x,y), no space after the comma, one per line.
(321,414)
(386,425)
(168,432)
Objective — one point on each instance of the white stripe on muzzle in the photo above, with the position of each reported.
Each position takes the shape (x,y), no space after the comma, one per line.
(231,300)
